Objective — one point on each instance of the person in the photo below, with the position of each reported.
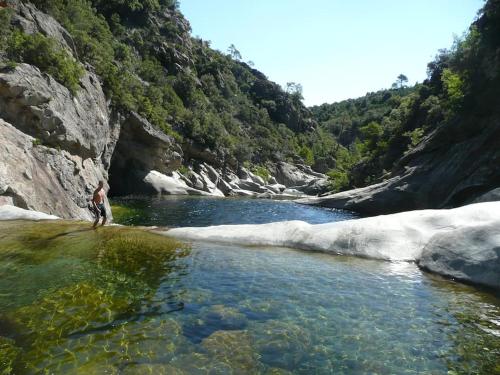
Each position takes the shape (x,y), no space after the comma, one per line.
(98,204)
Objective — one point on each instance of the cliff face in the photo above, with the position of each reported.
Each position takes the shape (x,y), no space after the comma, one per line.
(446,170)
(443,147)
(56,144)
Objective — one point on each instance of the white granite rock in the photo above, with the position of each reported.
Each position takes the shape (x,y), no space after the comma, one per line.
(8,212)
(463,242)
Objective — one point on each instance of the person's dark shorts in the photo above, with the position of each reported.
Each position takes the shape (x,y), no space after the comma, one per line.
(101,211)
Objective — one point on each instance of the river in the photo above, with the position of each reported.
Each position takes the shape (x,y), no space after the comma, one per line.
(124,301)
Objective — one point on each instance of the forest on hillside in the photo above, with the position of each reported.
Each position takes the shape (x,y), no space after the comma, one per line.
(149,63)
(377,131)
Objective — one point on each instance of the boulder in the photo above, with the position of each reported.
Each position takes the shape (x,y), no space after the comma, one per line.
(323,165)
(251,186)
(275,188)
(289,175)
(257,179)
(243,174)
(315,187)
(378,198)
(157,183)
(225,188)
(193,151)
(470,254)
(210,185)
(244,193)
(301,178)
(490,196)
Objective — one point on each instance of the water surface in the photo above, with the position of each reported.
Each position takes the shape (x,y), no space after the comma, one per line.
(175,211)
(123,301)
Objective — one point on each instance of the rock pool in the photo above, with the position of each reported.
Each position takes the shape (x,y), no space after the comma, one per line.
(123,301)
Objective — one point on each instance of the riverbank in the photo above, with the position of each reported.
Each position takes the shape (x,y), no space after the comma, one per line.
(460,243)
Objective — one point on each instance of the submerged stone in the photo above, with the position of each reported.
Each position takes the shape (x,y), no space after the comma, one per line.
(152,369)
(103,279)
(9,353)
(235,349)
(280,343)
(224,317)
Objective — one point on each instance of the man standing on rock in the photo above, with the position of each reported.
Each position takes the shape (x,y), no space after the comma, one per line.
(98,204)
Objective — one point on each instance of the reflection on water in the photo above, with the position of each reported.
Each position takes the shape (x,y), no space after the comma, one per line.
(123,301)
(175,211)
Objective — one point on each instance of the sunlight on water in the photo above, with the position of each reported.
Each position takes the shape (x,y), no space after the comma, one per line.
(124,301)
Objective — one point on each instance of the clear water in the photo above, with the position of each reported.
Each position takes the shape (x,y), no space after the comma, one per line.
(122,301)
(198,212)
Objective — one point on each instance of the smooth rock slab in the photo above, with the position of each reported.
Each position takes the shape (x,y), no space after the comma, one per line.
(396,237)
(170,185)
(469,254)
(15,213)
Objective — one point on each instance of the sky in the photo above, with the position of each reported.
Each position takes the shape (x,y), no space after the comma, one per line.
(336,49)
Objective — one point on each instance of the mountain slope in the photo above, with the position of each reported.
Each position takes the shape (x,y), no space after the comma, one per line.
(455,115)
(116,90)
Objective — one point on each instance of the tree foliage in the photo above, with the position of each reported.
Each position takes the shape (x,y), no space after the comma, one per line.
(42,51)
(379,129)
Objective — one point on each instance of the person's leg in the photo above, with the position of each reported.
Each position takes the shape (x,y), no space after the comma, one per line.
(103,214)
(97,216)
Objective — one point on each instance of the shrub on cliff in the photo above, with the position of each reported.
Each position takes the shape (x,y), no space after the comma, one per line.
(46,54)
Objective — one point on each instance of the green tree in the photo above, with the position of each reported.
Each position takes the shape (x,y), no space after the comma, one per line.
(294,90)
(401,82)
(453,84)
(234,53)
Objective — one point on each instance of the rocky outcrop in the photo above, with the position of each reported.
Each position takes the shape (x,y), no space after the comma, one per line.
(470,254)
(45,179)
(159,183)
(300,177)
(203,179)
(451,168)
(31,21)
(55,145)
(463,243)
(58,145)
(44,109)
(490,196)
(8,212)
(140,149)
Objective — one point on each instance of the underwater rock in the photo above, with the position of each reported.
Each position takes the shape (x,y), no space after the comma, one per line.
(280,343)
(235,349)
(8,355)
(277,371)
(224,317)
(152,369)
(195,363)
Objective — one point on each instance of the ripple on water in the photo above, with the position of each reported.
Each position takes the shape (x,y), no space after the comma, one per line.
(121,301)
